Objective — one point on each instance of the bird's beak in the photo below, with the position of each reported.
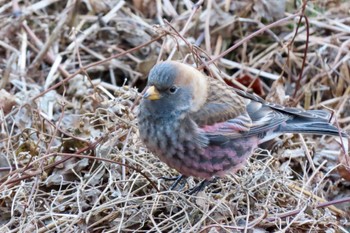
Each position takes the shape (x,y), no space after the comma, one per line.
(151,93)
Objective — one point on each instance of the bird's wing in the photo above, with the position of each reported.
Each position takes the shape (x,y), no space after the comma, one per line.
(253,100)
(233,113)
(222,104)
(270,118)
(263,120)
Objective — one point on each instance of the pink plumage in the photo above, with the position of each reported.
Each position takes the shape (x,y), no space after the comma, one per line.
(204,128)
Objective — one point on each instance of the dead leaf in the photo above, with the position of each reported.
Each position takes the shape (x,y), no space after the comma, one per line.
(3,165)
(99,6)
(7,101)
(267,9)
(277,92)
(65,174)
(270,9)
(147,7)
(344,168)
(248,81)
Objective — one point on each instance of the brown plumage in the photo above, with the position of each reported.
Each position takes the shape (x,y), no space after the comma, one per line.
(204,128)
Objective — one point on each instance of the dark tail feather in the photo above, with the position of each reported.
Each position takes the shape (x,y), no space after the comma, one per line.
(309,127)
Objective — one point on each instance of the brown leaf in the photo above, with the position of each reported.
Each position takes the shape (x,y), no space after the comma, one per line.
(277,92)
(7,101)
(248,81)
(147,7)
(344,168)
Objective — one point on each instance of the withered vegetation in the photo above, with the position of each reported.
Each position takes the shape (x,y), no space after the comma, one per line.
(72,73)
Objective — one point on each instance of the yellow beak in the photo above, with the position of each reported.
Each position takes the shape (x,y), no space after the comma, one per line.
(152,93)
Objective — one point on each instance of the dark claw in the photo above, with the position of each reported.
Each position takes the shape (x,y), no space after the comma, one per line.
(181,179)
(195,190)
(177,180)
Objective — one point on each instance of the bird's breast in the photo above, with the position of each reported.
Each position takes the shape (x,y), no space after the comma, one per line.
(181,145)
(168,134)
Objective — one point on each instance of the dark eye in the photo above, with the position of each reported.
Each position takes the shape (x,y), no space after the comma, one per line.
(172,89)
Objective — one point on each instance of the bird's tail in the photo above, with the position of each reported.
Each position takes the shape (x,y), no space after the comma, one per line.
(320,128)
(319,125)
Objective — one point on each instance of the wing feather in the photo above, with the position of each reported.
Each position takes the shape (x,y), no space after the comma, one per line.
(222,104)
(230,113)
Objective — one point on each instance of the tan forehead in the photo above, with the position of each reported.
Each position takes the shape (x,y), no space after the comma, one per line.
(191,77)
(187,75)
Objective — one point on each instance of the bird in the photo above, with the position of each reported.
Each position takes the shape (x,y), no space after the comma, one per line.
(204,128)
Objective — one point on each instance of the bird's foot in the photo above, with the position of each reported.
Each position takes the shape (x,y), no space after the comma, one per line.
(181,180)
(177,180)
(200,187)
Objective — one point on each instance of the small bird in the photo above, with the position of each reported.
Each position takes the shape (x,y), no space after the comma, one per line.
(204,128)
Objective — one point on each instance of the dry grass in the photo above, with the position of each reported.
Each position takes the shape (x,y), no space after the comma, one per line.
(70,157)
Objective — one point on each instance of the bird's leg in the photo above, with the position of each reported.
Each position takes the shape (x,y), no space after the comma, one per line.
(177,180)
(199,187)
(180,179)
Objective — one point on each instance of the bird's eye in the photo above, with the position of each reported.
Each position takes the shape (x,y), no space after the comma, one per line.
(172,89)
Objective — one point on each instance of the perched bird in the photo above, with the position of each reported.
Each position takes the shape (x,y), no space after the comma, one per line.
(203,128)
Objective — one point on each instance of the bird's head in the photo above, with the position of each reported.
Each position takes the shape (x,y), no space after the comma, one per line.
(174,87)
